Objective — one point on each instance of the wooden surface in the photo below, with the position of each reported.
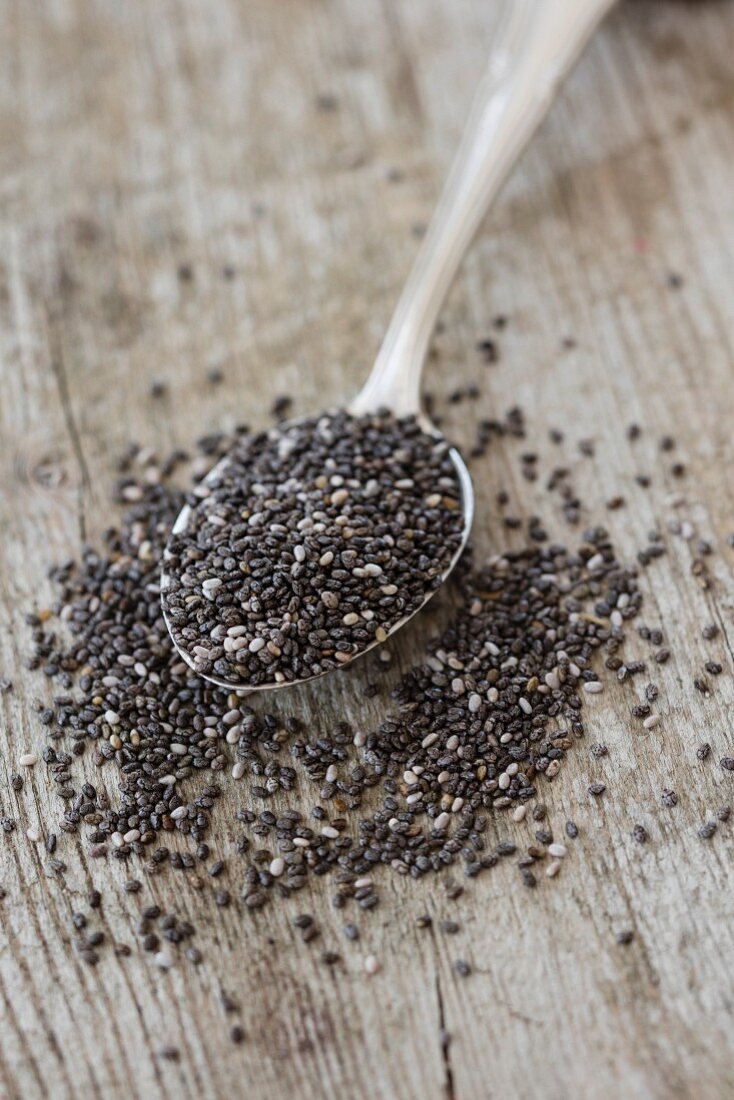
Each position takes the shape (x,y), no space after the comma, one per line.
(302,143)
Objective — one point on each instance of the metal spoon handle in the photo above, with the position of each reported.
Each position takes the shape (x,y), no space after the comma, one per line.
(540,42)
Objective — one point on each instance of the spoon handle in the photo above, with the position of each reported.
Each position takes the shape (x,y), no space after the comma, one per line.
(540,42)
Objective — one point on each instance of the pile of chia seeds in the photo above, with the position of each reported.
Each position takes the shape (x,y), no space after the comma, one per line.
(496,704)
(310,544)
(499,699)
(469,734)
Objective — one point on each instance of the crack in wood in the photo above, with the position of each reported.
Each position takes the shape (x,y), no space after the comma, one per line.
(445,1043)
(58,368)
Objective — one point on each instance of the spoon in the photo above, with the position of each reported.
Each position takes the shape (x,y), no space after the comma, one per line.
(540,42)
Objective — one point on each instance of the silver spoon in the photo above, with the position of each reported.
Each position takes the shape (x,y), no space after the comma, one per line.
(539,43)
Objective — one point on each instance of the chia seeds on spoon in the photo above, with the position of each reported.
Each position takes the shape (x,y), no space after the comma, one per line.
(311,543)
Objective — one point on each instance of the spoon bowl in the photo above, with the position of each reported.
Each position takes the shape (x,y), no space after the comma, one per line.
(184,519)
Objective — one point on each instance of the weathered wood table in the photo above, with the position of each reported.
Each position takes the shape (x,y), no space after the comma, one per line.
(238,187)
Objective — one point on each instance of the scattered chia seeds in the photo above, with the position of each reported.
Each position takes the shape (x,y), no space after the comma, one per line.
(466,727)
(494,709)
(472,731)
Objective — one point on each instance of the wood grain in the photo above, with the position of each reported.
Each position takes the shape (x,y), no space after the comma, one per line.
(302,144)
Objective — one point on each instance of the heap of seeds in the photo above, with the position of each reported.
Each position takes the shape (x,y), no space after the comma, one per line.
(491,711)
(496,704)
(137,702)
(498,700)
(310,544)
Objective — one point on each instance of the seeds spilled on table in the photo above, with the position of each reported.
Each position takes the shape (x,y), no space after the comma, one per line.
(469,731)
(472,731)
(310,544)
